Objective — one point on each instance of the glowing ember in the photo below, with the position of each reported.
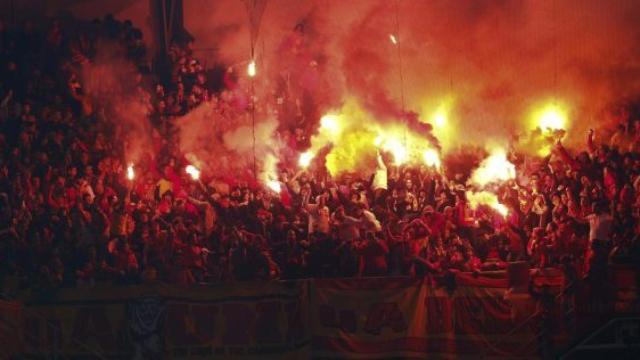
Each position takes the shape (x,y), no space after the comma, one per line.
(486,198)
(305,159)
(495,168)
(330,123)
(431,158)
(395,147)
(393,39)
(193,171)
(550,118)
(501,209)
(251,69)
(439,113)
(440,120)
(274,185)
(130,173)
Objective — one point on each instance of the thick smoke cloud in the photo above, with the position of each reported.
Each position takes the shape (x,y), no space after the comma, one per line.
(495,61)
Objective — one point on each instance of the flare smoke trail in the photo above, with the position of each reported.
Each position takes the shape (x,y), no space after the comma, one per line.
(107,80)
(494,62)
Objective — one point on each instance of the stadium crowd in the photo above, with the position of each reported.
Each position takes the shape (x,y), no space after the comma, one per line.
(70,217)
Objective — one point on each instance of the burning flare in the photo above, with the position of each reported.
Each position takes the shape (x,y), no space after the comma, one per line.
(394,146)
(494,169)
(274,185)
(393,39)
(486,198)
(331,124)
(251,68)
(432,158)
(305,159)
(130,174)
(193,171)
(550,118)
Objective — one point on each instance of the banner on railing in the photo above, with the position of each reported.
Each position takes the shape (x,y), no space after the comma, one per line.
(407,318)
(245,320)
(352,318)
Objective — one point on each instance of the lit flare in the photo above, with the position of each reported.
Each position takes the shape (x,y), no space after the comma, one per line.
(330,123)
(130,173)
(488,199)
(550,118)
(193,171)
(274,185)
(432,158)
(395,147)
(305,159)
(251,69)
(494,169)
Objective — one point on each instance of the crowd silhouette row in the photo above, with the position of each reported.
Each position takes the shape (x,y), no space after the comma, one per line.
(70,217)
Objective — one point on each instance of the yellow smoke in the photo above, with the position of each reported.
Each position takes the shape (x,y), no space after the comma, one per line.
(549,117)
(545,123)
(353,152)
(354,135)
(494,169)
(432,158)
(440,114)
(269,173)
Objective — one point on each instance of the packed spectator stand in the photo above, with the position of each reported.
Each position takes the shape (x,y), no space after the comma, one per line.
(71,218)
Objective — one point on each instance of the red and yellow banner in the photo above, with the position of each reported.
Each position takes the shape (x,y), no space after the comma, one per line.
(247,320)
(408,318)
(345,318)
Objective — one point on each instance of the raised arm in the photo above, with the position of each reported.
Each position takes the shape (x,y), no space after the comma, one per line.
(566,157)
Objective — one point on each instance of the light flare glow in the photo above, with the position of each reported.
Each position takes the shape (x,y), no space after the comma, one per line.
(305,159)
(440,120)
(352,137)
(193,171)
(488,199)
(274,185)
(251,68)
(550,117)
(494,169)
(393,39)
(331,124)
(439,112)
(432,158)
(395,146)
(130,173)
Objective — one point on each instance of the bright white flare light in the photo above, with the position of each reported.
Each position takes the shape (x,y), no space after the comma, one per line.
(440,120)
(193,171)
(393,39)
(486,198)
(251,69)
(330,123)
(552,119)
(494,169)
(394,146)
(431,158)
(305,159)
(274,185)
(130,173)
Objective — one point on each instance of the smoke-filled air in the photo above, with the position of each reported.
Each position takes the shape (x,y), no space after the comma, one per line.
(416,80)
